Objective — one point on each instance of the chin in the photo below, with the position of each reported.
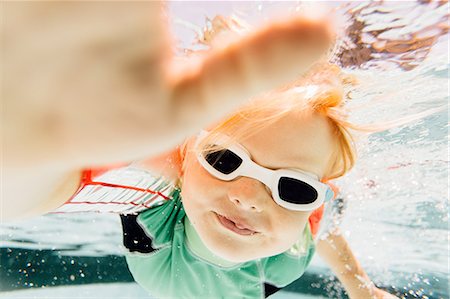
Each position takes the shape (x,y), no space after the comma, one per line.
(228,247)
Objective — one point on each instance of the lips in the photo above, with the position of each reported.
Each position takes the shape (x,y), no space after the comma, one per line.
(237,227)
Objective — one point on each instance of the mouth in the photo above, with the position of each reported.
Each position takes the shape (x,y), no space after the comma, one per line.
(239,228)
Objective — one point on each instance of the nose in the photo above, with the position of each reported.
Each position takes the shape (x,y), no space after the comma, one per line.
(248,194)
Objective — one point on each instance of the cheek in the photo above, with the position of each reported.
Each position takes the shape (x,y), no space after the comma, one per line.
(288,227)
(199,191)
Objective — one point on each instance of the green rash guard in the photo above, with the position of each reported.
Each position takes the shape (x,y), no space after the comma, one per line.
(172,262)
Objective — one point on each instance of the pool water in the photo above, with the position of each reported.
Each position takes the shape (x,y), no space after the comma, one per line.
(397,197)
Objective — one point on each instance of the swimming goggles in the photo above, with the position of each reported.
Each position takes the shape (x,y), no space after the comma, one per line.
(292,189)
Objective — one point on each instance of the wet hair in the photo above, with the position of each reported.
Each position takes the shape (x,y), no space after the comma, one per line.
(320,91)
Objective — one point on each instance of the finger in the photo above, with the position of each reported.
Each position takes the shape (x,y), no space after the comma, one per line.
(264,60)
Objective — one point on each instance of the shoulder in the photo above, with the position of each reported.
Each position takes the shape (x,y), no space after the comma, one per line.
(160,222)
(153,228)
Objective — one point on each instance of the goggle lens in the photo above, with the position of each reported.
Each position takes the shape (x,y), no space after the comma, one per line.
(295,191)
(224,161)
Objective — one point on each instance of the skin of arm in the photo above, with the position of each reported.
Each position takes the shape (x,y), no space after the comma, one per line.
(336,252)
(167,164)
(35,192)
(96,92)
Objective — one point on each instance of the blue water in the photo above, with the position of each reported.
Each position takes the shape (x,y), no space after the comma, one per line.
(397,197)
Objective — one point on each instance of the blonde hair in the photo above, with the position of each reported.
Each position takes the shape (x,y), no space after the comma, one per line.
(320,91)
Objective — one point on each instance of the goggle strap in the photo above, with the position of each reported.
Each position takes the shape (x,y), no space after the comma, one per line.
(332,190)
(329,195)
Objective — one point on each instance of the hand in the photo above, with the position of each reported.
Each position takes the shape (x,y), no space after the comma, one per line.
(92,82)
(368,290)
(336,252)
(382,294)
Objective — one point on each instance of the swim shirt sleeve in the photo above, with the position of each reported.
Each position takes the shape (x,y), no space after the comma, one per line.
(316,220)
(153,228)
(118,189)
(331,216)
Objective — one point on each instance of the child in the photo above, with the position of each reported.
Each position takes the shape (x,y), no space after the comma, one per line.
(233,211)
(237,209)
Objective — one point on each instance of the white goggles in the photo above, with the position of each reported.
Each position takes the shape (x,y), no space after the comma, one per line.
(292,189)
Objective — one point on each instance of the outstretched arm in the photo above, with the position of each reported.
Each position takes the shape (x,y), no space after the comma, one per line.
(83,90)
(336,252)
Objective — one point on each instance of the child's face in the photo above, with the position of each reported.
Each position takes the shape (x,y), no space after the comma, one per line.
(304,143)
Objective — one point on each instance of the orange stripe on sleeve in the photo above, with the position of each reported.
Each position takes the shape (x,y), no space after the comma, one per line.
(317,214)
